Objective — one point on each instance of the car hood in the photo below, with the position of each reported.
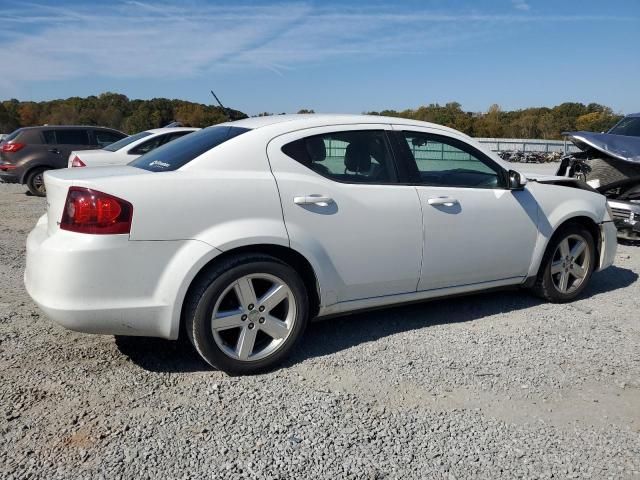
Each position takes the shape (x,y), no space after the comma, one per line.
(621,147)
(540,178)
(568,182)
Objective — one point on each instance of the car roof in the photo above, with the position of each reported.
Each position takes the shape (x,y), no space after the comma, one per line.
(306,120)
(63,127)
(172,129)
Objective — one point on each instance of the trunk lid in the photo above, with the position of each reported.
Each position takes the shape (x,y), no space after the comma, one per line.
(58,182)
(92,158)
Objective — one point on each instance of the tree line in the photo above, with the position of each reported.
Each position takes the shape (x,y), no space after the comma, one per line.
(117,111)
(112,110)
(542,122)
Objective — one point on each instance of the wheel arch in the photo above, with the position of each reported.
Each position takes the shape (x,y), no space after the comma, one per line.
(285,254)
(31,168)
(583,220)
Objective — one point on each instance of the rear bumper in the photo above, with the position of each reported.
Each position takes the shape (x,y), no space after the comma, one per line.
(609,244)
(108,284)
(9,175)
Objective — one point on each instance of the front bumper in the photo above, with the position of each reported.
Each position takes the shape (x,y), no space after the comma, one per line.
(108,284)
(626,217)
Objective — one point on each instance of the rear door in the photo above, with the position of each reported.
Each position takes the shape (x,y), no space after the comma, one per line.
(344,207)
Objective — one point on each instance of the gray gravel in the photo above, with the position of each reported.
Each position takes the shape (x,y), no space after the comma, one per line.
(496,386)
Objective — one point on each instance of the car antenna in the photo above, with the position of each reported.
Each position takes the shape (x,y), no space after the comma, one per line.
(226,111)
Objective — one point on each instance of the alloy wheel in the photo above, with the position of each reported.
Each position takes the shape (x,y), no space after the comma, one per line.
(253,317)
(38,182)
(570,263)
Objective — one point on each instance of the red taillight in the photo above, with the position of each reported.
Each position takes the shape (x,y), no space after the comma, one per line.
(76,162)
(91,211)
(12,147)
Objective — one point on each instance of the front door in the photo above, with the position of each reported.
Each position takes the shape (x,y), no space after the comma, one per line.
(343,207)
(475,229)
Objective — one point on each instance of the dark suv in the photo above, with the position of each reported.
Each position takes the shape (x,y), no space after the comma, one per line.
(29,151)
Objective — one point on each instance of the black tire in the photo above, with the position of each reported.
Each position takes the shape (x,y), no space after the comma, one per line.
(545,286)
(35,182)
(209,289)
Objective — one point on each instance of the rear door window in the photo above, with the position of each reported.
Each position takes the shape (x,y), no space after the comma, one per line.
(352,156)
(72,137)
(178,153)
(49,137)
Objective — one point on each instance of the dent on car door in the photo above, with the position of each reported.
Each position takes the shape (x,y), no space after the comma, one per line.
(345,211)
(475,229)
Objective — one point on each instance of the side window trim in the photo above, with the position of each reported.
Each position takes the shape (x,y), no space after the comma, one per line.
(412,168)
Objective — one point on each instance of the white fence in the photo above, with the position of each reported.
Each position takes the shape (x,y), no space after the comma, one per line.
(528,145)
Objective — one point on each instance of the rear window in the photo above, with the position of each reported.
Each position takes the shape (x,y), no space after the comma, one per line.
(105,137)
(126,141)
(177,153)
(12,136)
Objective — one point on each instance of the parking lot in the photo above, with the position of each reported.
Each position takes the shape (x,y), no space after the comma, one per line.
(493,385)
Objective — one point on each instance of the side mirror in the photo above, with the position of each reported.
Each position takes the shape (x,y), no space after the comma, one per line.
(516,181)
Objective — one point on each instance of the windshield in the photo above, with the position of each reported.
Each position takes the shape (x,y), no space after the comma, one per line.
(177,153)
(629,126)
(112,147)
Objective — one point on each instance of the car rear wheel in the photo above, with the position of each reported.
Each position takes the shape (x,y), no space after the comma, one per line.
(567,265)
(246,315)
(35,182)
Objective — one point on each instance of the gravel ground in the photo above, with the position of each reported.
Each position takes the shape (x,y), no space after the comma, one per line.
(498,385)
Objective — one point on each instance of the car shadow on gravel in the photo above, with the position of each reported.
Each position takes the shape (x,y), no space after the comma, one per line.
(332,335)
(159,355)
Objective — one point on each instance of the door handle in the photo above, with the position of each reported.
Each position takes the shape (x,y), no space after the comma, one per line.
(312,200)
(446,201)
(54,150)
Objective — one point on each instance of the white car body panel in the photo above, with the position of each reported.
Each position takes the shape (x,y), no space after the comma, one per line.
(377,245)
(105,158)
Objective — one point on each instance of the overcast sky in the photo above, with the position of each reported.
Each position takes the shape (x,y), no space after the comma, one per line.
(349,56)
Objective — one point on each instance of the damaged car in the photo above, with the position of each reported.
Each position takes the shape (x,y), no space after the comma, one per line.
(610,163)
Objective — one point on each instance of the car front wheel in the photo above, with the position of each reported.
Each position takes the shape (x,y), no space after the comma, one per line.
(567,265)
(245,315)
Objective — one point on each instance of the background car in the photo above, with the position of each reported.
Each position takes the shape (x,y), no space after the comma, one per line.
(127,149)
(239,234)
(28,152)
(610,162)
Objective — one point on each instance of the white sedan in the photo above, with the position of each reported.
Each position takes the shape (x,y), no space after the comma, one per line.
(128,149)
(239,234)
